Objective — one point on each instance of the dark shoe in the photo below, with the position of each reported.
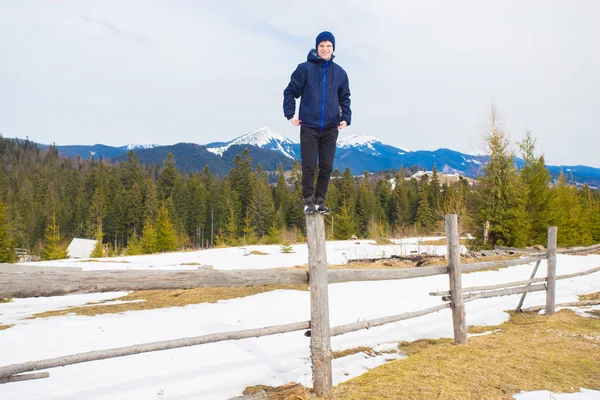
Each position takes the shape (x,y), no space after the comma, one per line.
(320,206)
(309,206)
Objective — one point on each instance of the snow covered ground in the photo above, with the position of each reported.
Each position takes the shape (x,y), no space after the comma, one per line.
(338,252)
(223,370)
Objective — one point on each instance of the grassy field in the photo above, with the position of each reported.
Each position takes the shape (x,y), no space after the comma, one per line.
(529,352)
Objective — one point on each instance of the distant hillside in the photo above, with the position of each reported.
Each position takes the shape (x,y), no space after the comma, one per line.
(192,157)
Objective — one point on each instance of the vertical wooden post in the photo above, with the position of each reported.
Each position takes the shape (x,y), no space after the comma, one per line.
(457,304)
(551,277)
(320,341)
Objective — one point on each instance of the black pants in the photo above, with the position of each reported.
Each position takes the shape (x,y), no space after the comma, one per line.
(315,142)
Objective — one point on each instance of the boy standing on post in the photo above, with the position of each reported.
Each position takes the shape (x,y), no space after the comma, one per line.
(324,92)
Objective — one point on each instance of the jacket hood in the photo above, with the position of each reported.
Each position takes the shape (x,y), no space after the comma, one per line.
(314,56)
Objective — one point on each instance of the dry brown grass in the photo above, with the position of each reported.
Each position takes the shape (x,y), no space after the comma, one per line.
(257,253)
(3,327)
(168,298)
(591,296)
(529,352)
(442,242)
(355,350)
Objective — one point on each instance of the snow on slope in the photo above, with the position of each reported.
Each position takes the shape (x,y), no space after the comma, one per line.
(262,137)
(223,370)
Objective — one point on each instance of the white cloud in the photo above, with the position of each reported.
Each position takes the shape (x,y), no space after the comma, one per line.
(422,74)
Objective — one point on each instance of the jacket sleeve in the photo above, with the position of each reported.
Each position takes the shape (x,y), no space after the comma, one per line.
(293,91)
(344,99)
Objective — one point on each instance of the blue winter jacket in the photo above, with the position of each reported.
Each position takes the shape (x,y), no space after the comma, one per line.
(323,90)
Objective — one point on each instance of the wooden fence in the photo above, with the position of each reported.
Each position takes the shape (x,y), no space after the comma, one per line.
(32,283)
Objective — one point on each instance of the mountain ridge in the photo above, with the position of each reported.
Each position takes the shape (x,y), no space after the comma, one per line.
(359,153)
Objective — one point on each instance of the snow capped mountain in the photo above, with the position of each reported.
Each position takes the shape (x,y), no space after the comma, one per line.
(363,141)
(263,138)
(139,146)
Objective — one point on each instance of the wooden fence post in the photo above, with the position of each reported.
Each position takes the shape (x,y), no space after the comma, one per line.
(320,341)
(457,304)
(551,277)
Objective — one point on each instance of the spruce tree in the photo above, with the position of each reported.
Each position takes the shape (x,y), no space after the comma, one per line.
(54,249)
(262,206)
(570,218)
(149,239)
(167,177)
(99,247)
(503,195)
(540,201)
(166,235)
(241,178)
(7,251)
(344,225)
(134,247)
(425,221)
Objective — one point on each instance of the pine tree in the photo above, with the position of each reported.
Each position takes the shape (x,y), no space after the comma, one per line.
(434,194)
(540,202)
(149,239)
(167,177)
(344,222)
(570,218)
(134,247)
(99,247)
(503,195)
(166,235)
(366,207)
(54,249)
(262,206)
(241,179)
(425,218)
(7,251)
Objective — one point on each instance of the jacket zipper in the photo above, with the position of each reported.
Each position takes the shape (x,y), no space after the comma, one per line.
(324,90)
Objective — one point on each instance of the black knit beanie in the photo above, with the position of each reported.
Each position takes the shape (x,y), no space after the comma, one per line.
(325,36)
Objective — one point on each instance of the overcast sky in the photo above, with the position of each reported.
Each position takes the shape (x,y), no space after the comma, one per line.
(422,73)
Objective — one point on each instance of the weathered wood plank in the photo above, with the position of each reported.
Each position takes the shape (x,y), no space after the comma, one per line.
(459,319)
(574,250)
(551,276)
(60,283)
(25,377)
(366,324)
(10,370)
(34,284)
(502,292)
(320,341)
(516,283)
(356,275)
(499,264)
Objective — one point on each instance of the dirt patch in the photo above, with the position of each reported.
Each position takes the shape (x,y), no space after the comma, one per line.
(3,327)
(152,299)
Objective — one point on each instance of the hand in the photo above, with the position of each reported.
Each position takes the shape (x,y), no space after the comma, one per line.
(342,125)
(295,121)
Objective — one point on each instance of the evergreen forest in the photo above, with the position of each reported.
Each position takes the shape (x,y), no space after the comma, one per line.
(133,208)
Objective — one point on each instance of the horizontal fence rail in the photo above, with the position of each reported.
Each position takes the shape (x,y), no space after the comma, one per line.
(14,369)
(31,283)
(515,283)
